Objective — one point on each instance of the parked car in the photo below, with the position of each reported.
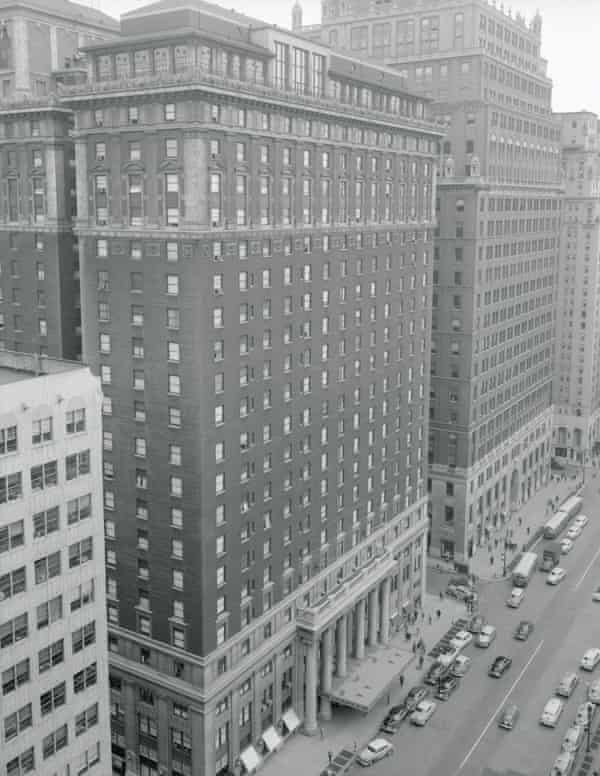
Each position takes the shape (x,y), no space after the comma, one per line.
(436,672)
(572,740)
(567,684)
(461,665)
(394,718)
(508,718)
(563,765)
(574,531)
(500,666)
(448,656)
(476,623)
(581,520)
(551,712)
(423,713)
(375,750)
(461,592)
(524,630)
(446,687)
(461,639)
(593,693)
(596,594)
(583,711)
(566,545)
(415,696)
(556,575)
(486,636)
(590,659)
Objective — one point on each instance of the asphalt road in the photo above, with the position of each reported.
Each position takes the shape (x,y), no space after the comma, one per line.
(463,737)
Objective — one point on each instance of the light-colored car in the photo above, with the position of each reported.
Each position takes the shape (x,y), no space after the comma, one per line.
(572,740)
(448,657)
(423,713)
(486,636)
(594,692)
(461,639)
(461,665)
(596,594)
(552,711)
(574,531)
(375,750)
(515,599)
(581,520)
(556,575)
(567,684)
(590,659)
(563,765)
(566,545)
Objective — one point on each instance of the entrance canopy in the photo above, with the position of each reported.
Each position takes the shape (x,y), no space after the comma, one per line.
(271,738)
(368,679)
(291,721)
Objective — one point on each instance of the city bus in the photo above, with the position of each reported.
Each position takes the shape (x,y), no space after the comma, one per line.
(572,506)
(524,569)
(556,524)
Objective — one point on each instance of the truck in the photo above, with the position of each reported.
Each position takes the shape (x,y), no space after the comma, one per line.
(550,556)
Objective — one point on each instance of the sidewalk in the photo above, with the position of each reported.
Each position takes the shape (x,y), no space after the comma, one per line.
(519,527)
(304,756)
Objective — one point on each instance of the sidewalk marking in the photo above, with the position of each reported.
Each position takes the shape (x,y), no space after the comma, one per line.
(587,568)
(494,715)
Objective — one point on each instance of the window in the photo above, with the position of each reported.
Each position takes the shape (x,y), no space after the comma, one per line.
(86,719)
(85,678)
(12,583)
(41,431)
(170,111)
(12,536)
(171,148)
(172,198)
(173,285)
(17,722)
(44,476)
(15,676)
(11,487)
(51,656)
(54,742)
(45,523)
(13,631)
(46,568)
(80,552)
(79,508)
(8,440)
(49,612)
(77,465)
(84,636)
(83,594)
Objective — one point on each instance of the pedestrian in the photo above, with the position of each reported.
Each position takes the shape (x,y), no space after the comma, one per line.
(388,699)
(429,620)
(355,747)
(421,661)
(414,647)
(401,680)
(528,530)
(321,732)
(439,613)
(441,595)
(330,755)
(491,560)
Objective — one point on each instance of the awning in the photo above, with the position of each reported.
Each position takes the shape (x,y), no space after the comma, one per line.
(272,739)
(290,720)
(250,759)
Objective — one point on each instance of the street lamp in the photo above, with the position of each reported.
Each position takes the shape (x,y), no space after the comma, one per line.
(504,561)
(590,711)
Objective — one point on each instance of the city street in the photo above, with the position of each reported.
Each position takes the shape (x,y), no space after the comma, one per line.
(463,737)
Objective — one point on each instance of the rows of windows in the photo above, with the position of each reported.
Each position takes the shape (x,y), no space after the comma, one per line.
(41,430)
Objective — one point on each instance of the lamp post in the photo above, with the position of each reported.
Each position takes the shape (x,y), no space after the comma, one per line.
(590,711)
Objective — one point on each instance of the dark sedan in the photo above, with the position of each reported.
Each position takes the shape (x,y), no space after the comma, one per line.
(524,630)
(436,672)
(446,687)
(415,696)
(394,718)
(499,667)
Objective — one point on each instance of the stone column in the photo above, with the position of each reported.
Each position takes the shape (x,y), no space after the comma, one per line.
(384,629)
(373,607)
(84,194)
(276,688)
(326,670)
(20,31)
(359,649)
(310,706)
(234,728)
(350,632)
(342,646)
(54,49)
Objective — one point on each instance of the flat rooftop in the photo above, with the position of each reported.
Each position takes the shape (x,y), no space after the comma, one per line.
(23,366)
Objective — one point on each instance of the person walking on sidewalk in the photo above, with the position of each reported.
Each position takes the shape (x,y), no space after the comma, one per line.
(401,680)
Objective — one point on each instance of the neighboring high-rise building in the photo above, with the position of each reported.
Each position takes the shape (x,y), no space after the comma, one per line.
(53,642)
(577,374)
(496,257)
(39,272)
(255,218)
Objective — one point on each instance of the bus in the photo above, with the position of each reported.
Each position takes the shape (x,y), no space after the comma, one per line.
(572,506)
(524,569)
(556,524)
